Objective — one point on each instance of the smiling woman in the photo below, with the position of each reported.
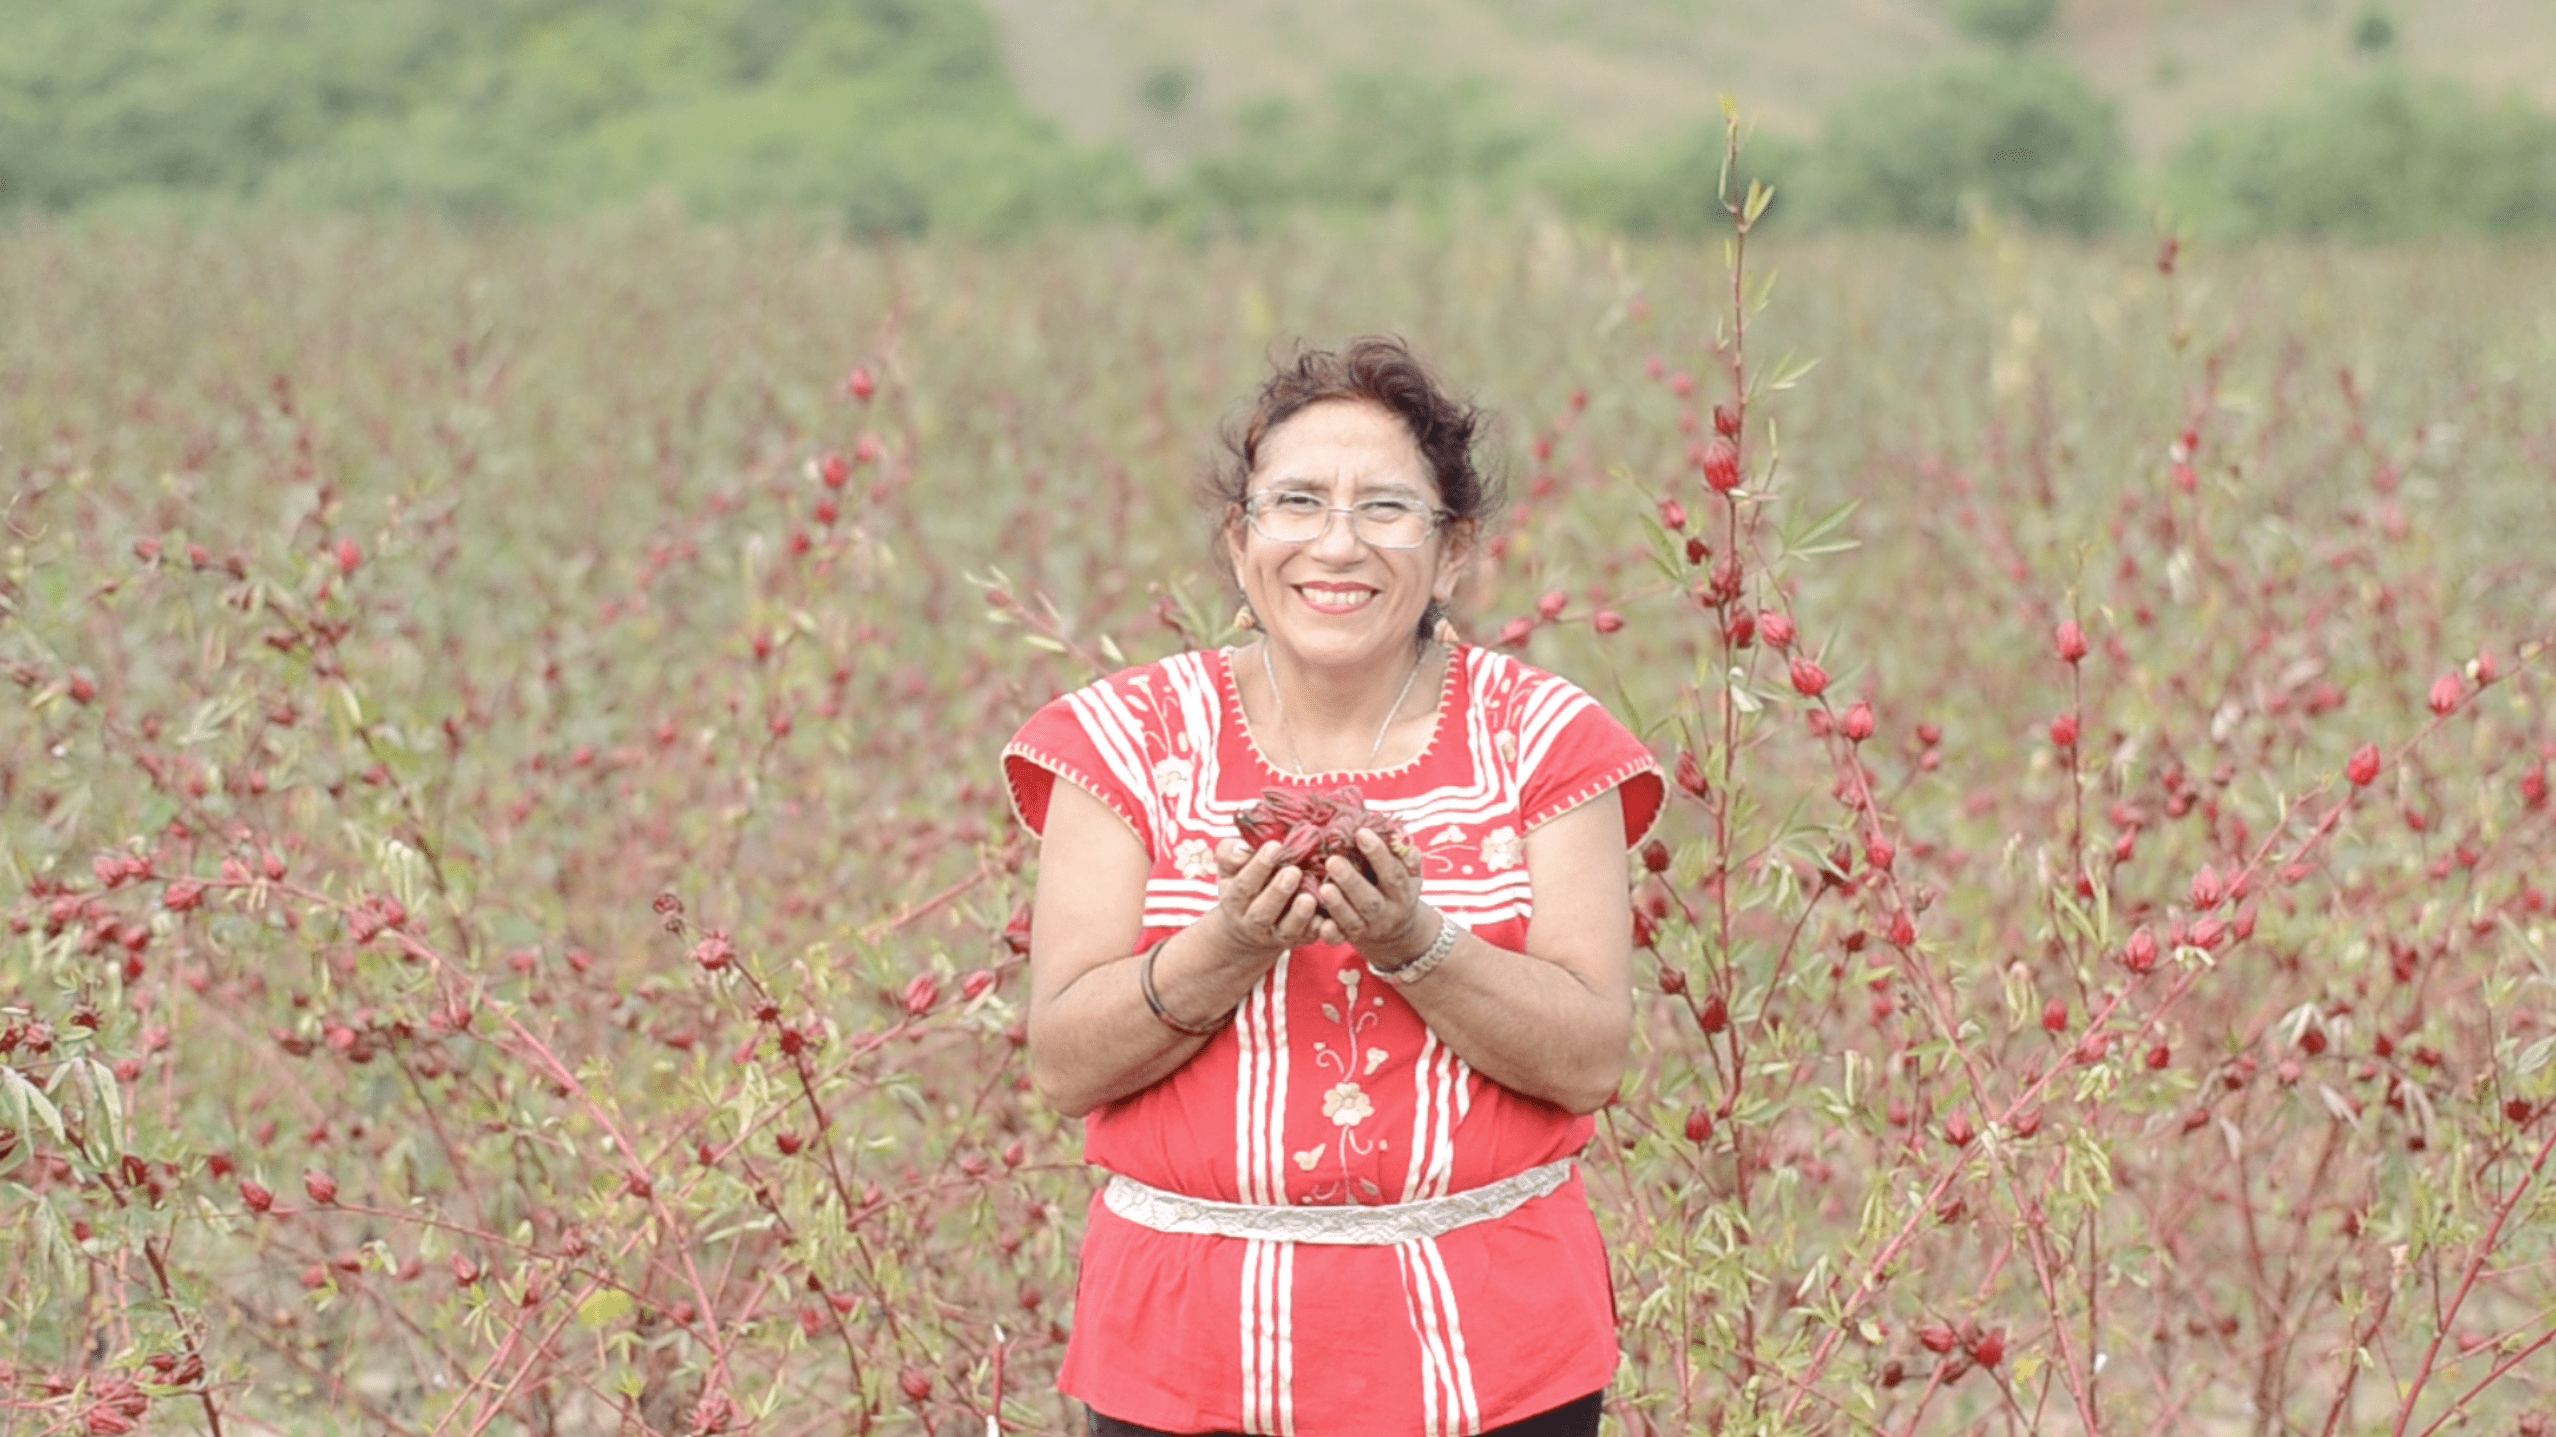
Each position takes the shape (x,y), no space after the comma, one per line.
(1333,1092)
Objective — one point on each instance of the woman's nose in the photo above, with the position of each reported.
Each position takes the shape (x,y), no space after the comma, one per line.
(1339,537)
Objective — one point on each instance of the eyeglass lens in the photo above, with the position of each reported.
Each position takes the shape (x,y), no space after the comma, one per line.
(1386,526)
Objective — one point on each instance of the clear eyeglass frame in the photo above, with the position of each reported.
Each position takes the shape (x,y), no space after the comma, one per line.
(1298,509)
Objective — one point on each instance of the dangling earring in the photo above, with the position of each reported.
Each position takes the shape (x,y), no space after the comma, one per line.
(1445,632)
(1245,619)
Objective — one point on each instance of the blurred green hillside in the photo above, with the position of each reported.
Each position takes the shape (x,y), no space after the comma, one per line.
(889,114)
(1007,116)
(1614,75)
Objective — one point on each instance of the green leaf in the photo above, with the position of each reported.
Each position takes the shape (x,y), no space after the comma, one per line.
(2533,1057)
(607,1306)
(106,1096)
(26,1099)
(1789,372)
(211,720)
(1820,536)
(404,869)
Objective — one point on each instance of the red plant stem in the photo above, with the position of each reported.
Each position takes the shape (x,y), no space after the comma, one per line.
(567,1079)
(2501,1370)
(2467,1283)
(155,1253)
(913,913)
(2351,1364)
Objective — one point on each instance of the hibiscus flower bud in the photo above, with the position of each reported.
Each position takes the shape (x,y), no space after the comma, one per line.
(2446,692)
(2363,770)
(2070,641)
(1699,1123)
(1809,679)
(1690,775)
(2140,954)
(2207,889)
(1721,465)
(922,994)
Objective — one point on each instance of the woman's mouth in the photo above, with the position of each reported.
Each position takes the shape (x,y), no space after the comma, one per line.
(1330,599)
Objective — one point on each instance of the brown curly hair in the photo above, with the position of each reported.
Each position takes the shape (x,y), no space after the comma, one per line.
(1379,370)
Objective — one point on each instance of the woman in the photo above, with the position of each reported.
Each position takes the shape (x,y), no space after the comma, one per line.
(1339,1110)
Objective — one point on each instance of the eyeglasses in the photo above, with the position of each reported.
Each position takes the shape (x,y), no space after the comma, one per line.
(1296,518)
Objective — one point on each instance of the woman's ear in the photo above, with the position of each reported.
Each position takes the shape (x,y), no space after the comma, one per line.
(1457,561)
(1234,540)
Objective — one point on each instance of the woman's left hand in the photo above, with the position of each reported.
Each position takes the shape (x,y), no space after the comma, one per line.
(1381,918)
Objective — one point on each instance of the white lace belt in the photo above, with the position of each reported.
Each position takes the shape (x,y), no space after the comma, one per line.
(1377,1226)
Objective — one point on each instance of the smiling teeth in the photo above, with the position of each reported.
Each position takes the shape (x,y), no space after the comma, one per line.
(1338,598)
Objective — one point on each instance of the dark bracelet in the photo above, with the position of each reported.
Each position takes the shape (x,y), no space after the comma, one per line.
(1154,1000)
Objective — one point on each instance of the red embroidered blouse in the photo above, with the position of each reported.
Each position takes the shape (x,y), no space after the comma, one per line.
(1328,1088)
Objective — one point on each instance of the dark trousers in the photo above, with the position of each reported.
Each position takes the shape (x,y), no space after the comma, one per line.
(1571,1419)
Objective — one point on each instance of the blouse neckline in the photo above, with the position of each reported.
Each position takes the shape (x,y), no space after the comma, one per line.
(1457,659)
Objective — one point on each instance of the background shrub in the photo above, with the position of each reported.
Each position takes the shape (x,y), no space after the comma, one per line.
(2024,135)
(1669,188)
(891,114)
(1374,141)
(2379,155)
(2004,22)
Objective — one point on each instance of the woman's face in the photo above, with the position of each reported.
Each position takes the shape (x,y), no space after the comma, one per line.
(1338,599)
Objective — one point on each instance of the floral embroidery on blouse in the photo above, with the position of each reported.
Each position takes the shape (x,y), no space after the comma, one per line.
(1502,849)
(1347,1106)
(1195,858)
(1172,778)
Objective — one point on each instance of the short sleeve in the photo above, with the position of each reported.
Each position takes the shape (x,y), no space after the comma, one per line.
(1075,738)
(1577,752)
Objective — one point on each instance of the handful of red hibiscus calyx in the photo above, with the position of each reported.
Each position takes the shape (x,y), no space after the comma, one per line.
(1310,825)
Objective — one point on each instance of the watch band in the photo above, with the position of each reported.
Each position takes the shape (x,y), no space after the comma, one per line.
(1430,957)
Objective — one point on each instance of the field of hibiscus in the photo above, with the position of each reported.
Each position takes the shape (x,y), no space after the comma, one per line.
(512,911)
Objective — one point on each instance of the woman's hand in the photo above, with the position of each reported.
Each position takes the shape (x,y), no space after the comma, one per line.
(1382,918)
(1267,908)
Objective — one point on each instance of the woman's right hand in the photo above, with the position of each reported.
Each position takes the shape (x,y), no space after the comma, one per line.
(1267,907)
